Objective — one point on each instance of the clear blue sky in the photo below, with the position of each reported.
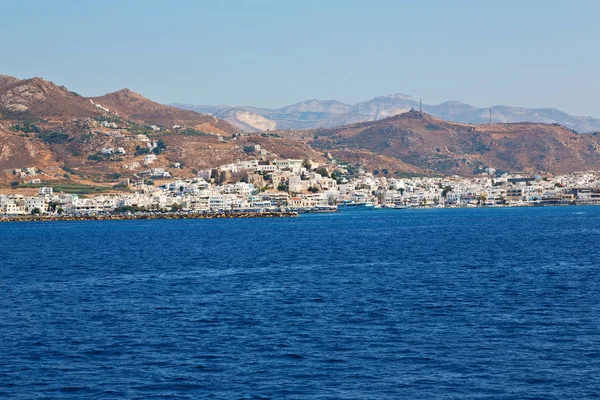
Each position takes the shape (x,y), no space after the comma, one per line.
(273,53)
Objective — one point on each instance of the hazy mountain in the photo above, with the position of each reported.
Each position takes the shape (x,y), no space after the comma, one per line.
(305,115)
(325,114)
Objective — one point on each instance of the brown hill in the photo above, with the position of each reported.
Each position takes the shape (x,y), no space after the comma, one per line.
(6,80)
(63,134)
(430,144)
(46,126)
(37,98)
(135,107)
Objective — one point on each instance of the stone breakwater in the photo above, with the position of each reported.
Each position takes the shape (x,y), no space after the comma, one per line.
(126,217)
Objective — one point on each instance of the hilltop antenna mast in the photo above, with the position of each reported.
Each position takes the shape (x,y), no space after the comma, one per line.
(490,116)
(421,106)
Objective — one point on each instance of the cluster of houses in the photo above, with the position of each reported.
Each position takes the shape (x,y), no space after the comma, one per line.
(23,172)
(304,185)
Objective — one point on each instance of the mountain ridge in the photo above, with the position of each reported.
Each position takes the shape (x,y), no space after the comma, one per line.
(314,113)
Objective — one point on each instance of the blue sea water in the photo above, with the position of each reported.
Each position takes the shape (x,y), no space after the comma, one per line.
(477,303)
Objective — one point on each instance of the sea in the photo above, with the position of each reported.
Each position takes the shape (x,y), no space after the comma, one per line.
(499,303)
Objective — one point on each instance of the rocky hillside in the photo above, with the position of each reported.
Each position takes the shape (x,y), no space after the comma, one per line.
(37,98)
(431,144)
(103,140)
(135,107)
(55,130)
(326,114)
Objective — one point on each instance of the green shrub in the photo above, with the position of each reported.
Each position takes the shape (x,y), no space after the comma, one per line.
(141,150)
(322,171)
(27,128)
(51,137)
(193,132)
(123,209)
(95,157)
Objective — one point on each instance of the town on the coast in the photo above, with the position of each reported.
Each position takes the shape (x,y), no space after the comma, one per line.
(294,185)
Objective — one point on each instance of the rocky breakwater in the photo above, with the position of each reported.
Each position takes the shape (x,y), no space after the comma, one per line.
(144,216)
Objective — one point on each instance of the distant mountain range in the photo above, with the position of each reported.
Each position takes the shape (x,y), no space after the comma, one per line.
(312,114)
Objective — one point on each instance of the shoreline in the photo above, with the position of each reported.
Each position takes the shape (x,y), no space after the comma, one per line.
(156,216)
(242,215)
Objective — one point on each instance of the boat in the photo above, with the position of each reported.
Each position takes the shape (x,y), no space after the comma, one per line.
(324,209)
(356,206)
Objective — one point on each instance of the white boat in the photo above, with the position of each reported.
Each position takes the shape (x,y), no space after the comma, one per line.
(352,205)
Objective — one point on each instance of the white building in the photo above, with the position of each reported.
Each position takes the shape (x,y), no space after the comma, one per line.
(31,203)
(46,191)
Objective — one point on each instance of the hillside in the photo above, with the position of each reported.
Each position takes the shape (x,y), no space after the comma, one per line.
(59,132)
(432,144)
(327,114)
(37,98)
(134,107)
(103,140)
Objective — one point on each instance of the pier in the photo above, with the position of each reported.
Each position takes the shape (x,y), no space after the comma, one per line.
(147,216)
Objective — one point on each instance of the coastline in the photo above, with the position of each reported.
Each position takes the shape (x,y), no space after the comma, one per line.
(146,216)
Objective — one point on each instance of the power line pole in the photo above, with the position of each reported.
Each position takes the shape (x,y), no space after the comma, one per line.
(490,116)
(421,106)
